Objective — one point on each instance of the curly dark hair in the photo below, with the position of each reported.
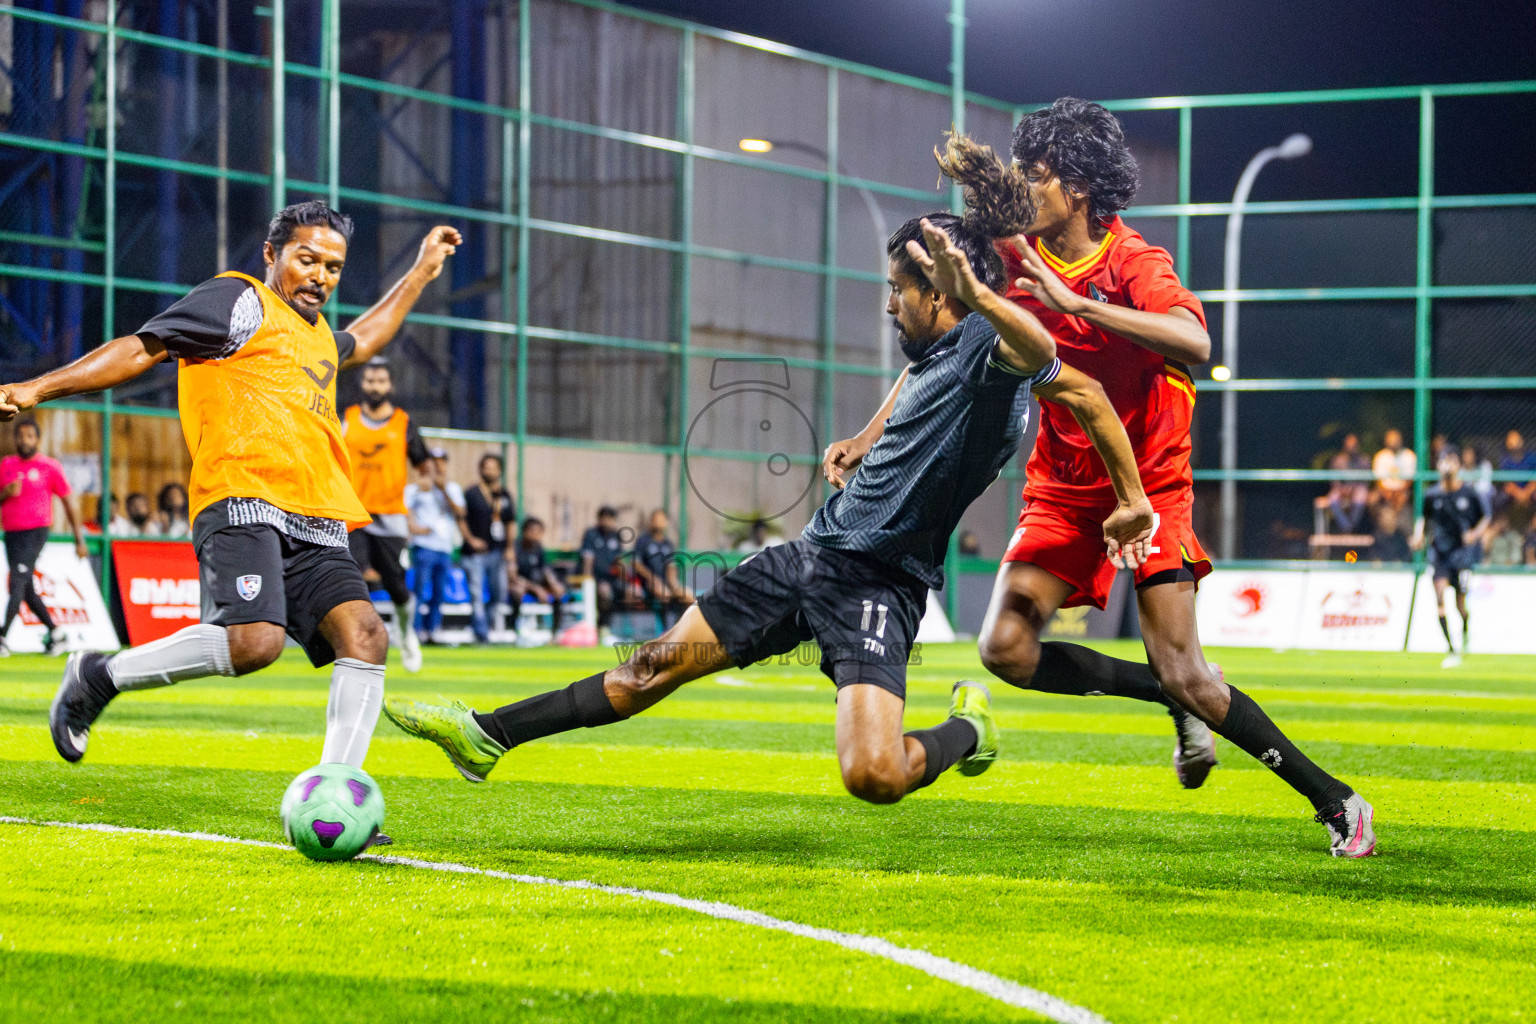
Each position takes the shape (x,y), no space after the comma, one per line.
(997,200)
(1085,146)
(975,243)
(308,214)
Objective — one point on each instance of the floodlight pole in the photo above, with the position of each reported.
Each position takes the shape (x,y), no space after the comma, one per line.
(1294,146)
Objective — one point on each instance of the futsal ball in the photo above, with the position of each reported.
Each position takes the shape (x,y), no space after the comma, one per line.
(332,812)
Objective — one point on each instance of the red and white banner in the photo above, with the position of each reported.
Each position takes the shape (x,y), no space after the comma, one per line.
(1323,609)
(158,584)
(1258,608)
(1356,611)
(72,595)
(1500,606)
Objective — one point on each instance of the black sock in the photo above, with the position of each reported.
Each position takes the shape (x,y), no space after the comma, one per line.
(98,678)
(1251,729)
(582,704)
(1081,672)
(944,744)
(1466,628)
(1445,627)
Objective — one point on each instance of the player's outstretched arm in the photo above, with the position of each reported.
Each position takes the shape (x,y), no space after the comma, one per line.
(1024,343)
(843,457)
(117,362)
(374,329)
(1176,334)
(1128,530)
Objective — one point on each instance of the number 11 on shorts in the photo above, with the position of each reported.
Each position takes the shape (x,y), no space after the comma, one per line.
(869,609)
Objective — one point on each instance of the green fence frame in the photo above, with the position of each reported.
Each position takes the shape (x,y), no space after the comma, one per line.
(516,226)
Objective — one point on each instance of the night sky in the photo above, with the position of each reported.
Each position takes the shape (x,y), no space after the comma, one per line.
(1025,50)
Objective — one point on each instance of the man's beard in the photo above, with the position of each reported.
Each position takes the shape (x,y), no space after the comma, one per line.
(375,401)
(26,453)
(913,350)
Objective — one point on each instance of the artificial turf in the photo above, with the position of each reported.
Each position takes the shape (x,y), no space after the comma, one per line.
(1077,866)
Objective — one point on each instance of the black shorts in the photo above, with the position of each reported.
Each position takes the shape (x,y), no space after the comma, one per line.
(21,550)
(257,573)
(1453,565)
(383,554)
(863,615)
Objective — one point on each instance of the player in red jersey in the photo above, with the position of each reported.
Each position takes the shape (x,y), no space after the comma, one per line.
(1119,314)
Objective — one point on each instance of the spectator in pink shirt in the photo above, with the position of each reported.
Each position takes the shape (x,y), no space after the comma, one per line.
(28,483)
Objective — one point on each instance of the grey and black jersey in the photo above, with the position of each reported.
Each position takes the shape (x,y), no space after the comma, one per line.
(958,420)
(1450,514)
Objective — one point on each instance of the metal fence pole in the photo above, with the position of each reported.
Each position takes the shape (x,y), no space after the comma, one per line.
(221,183)
(524,150)
(279,108)
(956,204)
(828,389)
(956,84)
(687,70)
(1186,146)
(108,293)
(1423,325)
(508,254)
(330,61)
(331,32)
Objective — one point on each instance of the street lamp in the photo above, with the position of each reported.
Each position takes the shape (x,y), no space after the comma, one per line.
(1294,146)
(876,217)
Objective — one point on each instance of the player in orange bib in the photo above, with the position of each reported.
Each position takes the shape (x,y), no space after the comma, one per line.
(271,493)
(383,444)
(1119,313)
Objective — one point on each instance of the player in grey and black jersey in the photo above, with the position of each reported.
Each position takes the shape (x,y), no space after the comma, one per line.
(1459,517)
(856,582)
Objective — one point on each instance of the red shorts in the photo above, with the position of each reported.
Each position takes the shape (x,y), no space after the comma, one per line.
(1068,543)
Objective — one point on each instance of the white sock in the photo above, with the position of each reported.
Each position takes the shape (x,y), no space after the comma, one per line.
(190,653)
(357,694)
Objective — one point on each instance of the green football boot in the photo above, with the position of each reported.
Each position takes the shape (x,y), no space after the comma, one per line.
(451,726)
(972,701)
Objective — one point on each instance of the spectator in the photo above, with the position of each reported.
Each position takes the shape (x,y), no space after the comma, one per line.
(656,571)
(1394,468)
(534,578)
(970,544)
(1438,446)
(1347,498)
(117,525)
(172,520)
(435,507)
(601,547)
(488,512)
(1503,544)
(141,518)
(29,481)
(1530,545)
(1478,473)
(1389,543)
(1517,494)
(758,538)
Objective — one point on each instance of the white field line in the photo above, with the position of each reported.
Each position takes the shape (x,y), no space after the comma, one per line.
(990,985)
